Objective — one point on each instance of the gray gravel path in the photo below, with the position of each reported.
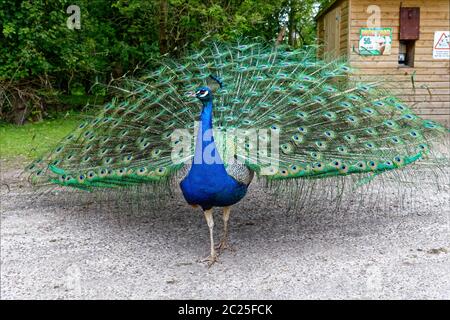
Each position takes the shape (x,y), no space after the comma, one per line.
(56,248)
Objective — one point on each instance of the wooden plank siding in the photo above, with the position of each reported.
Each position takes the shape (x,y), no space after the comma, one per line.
(332,32)
(426,86)
(338,39)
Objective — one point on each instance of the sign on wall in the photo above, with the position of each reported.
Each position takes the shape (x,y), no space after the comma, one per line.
(441,45)
(375,41)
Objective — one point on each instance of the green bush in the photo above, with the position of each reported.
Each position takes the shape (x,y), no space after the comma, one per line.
(42,59)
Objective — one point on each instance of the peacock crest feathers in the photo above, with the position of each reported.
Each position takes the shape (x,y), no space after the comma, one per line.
(325,124)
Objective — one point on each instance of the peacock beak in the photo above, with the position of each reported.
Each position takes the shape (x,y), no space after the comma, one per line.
(191,94)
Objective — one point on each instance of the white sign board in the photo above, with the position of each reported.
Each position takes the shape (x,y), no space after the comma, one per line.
(441,45)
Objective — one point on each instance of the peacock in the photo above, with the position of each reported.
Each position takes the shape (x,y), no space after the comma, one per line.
(210,121)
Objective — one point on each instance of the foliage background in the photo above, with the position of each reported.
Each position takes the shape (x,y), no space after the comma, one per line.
(45,67)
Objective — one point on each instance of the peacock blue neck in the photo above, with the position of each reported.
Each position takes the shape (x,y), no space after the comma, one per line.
(205,148)
(206,116)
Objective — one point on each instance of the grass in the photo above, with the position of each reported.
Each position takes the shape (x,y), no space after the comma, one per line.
(32,140)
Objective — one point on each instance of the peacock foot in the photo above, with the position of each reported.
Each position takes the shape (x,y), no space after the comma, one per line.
(223,246)
(211,259)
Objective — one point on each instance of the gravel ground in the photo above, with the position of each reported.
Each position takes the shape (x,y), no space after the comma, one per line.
(61,246)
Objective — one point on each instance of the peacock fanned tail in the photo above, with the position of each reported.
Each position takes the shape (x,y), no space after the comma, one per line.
(327,126)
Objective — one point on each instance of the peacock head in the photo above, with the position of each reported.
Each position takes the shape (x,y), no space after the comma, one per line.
(204,94)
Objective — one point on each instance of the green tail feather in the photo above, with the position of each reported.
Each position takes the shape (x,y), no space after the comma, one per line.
(327,125)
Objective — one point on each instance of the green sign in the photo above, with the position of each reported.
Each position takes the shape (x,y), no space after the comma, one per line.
(375,41)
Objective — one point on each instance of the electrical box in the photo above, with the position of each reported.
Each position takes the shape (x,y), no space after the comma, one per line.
(409,23)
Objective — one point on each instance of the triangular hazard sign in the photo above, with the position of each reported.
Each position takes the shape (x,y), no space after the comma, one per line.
(443,43)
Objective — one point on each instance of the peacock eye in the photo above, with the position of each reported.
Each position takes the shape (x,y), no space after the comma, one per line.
(202,93)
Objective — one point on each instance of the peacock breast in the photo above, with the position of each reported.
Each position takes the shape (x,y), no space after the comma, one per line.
(210,186)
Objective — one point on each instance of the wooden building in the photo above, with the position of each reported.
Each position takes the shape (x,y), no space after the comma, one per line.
(404,43)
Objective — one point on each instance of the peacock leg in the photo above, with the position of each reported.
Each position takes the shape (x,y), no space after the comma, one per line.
(224,245)
(210,221)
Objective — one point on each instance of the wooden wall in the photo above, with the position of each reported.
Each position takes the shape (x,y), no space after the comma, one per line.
(430,93)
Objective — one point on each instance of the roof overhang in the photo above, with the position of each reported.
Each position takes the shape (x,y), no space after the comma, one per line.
(325,9)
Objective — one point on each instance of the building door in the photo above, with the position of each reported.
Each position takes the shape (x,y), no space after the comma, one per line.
(332,25)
